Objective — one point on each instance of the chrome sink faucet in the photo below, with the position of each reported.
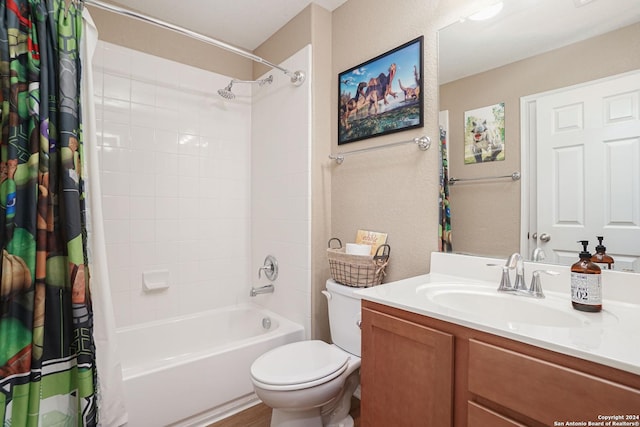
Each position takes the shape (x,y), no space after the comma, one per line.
(535,290)
(538,255)
(516,262)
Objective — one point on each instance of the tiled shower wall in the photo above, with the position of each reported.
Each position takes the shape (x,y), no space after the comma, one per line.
(280,190)
(201,187)
(175,163)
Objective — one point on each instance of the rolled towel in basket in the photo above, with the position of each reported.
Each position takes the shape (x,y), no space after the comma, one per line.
(358,249)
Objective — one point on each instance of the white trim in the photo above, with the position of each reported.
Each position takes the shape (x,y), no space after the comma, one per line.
(525,214)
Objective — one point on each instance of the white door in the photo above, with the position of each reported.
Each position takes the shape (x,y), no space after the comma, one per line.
(588,170)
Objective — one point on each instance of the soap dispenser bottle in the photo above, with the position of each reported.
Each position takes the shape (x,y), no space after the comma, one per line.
(601,257)
(586,283)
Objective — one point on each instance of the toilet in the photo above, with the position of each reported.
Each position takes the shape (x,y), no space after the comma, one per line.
(310,383)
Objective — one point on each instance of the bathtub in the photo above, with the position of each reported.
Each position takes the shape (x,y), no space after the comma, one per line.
(192,370)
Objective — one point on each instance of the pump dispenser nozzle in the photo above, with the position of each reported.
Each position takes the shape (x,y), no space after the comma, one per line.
(601,256)
(585,253)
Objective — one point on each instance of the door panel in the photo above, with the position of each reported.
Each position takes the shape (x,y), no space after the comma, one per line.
(588,169)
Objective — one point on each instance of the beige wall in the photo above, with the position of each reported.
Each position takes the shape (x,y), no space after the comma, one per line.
(486,217)
(144,37)
(394,190)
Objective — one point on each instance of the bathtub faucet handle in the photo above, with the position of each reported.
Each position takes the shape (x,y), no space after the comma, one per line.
(270,268)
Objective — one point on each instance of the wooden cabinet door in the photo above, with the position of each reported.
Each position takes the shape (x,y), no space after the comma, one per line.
(406,373)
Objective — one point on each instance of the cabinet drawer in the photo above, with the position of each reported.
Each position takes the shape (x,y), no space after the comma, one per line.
(544,391)
(479,416)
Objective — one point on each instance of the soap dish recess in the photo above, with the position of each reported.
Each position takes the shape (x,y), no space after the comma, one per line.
(155,280)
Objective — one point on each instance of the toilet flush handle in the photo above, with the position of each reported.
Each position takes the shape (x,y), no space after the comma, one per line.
(326,294)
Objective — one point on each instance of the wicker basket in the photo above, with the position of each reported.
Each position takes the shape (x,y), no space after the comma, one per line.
(360,271)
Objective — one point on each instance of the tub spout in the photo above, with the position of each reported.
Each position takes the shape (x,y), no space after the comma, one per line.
(267,289)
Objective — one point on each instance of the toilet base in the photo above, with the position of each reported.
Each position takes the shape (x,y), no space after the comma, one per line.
(346,422)
(336,414)
(308,418)
(333,414)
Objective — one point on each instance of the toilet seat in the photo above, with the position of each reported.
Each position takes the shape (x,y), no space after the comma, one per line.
(299,365)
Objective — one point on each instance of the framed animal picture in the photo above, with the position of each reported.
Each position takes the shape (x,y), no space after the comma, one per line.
(484,134)
(382,95)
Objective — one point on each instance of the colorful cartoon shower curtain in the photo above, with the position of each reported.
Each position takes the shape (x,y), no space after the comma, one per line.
(47,356)
(444,226)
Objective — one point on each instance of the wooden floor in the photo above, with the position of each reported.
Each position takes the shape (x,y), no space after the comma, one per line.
(260,416)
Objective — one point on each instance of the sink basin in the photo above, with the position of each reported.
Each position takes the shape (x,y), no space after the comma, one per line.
(482,302)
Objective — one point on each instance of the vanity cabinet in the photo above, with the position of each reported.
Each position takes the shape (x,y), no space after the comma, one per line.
(406,375)
(492,381)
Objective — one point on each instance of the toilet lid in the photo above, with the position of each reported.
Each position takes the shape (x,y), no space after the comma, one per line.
(299,362)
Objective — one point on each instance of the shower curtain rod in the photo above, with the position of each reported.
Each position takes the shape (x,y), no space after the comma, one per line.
(297,77)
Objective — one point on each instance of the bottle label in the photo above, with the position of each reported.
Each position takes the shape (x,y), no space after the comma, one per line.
(586,288)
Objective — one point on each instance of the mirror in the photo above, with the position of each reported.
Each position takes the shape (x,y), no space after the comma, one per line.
(531,47)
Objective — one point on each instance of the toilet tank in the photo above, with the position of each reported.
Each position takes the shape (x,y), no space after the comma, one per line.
(344,316)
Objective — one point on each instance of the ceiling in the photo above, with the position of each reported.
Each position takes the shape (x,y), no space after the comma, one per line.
(242,23)
(525,28)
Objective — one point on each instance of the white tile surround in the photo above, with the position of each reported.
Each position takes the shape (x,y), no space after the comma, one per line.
(178,168)
(281,190)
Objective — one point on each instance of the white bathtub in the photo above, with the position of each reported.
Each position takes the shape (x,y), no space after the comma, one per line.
(187,371)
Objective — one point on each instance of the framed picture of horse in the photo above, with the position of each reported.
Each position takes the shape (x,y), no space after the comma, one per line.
(382,95)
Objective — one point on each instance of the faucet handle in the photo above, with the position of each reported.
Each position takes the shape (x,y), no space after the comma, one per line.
(505,280)
(536,285)
(270,268)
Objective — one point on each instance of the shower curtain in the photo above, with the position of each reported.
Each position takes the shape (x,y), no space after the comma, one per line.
(444,226)
(47,353)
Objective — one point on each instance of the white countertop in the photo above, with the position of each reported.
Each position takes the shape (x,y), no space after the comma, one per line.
(610,337)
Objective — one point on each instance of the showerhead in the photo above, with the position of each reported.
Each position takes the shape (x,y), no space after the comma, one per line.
(267,80)
(226,92)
